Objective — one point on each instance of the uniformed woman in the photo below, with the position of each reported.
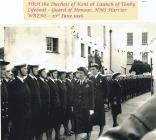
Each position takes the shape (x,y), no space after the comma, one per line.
(20,105)
(100,92)
(45,101)
(55,104)
(115,97)
(83,104)
(35,100)
(63,98)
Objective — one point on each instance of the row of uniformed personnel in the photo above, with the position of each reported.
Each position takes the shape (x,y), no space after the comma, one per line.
(134,85)
(41,101)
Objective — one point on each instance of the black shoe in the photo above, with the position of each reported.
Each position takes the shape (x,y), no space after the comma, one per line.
(59,138)
(67,133)
(114,125)
(71,132)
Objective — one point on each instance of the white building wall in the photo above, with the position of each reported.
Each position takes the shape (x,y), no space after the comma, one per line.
(1,36)
(28,43)
(119,43)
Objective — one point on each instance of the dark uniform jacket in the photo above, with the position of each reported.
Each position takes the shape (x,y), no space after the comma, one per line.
(45,102)
(137,125)
(54,96)
(35,103)
(4,109)
(100,92)
(69,86)
(83,95)
(62,93)
(83,101)
(55,103)
(63,98)
(19,109)
(115,97)
(35,95)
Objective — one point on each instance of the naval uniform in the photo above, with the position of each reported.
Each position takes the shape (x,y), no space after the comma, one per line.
(4,110)
(35,104)
(45,102)
(19,109)
(100,93)
(83,101)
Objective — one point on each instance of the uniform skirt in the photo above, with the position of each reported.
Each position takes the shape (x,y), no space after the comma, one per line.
(82,122)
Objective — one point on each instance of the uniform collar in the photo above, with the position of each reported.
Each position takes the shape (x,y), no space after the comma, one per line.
(97,75)
(69,79)
(82,81)
(41,79)
(33,77)
(21,79)
(52,79)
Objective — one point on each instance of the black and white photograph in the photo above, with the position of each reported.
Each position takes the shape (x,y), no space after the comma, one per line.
(78,81)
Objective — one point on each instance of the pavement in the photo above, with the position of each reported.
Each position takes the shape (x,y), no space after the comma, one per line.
(128,107)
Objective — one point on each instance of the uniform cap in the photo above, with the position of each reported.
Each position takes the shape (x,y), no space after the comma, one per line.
(115,74)
(33,66)
(20,65)
(83,69)
(3,62)
(94,65)
(51,71)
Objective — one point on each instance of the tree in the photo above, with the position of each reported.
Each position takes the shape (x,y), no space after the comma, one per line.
(139,67)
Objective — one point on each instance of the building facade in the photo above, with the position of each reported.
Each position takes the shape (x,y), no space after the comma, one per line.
(1,42)
(131,41)
(61,47)
(116,45)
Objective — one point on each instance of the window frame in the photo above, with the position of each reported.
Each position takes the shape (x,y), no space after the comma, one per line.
(54,44)
(130,39)
(144,38)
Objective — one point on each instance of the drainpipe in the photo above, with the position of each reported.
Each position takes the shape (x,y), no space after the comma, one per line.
(151,77)
(110,33)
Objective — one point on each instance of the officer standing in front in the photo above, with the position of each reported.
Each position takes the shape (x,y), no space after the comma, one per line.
(4,101)
(100,92)
(19,105)
(83,104)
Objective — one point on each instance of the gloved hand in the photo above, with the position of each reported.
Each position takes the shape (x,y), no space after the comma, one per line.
(91,112)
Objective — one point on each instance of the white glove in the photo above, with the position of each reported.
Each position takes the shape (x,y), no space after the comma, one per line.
(91,112)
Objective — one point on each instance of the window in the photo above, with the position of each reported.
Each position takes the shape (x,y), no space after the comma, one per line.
(89,31)
(129,58)
(52,44)
(145,57)
(129,39)
(144,38)
(82,50)
(89,50)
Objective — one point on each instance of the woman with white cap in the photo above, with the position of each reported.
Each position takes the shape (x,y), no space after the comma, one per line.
(19,105)
(45,101)
(55,104)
